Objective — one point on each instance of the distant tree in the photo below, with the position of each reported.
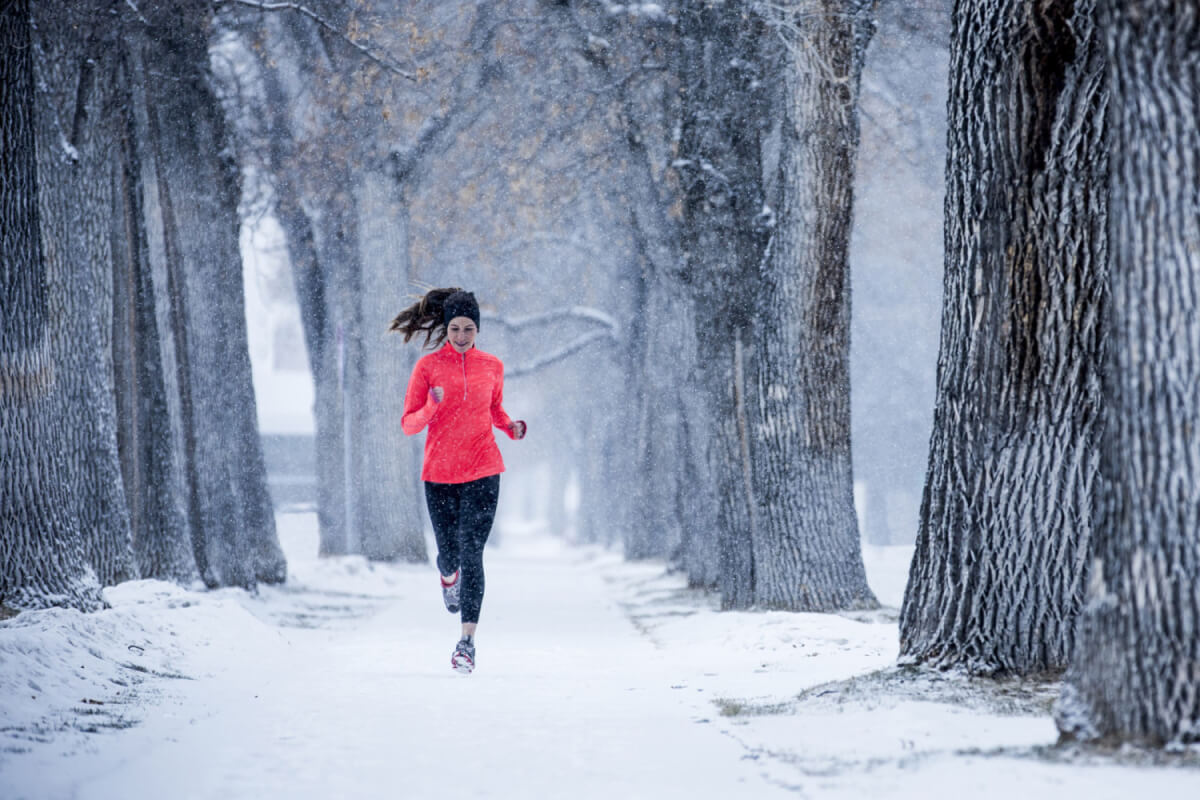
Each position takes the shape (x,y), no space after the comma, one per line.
(1006,520)
(630,52)
(333,191)
(1135,675)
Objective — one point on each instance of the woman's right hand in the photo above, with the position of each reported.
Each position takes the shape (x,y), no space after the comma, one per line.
(437,393)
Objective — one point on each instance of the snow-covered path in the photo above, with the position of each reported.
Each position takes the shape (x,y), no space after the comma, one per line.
(598,678)
(569,700)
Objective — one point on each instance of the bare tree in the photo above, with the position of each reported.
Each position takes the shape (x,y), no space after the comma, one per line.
(724,235)
(999,568)
(46,550)
(1134,675)
(807,553)
(333,193)
(766,155)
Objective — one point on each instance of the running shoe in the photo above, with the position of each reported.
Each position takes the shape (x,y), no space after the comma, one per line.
(450,590)
(463,658)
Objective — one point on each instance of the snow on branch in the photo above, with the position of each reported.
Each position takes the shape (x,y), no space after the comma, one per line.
(609,333)
(287,5)
(557,355)
(575,312)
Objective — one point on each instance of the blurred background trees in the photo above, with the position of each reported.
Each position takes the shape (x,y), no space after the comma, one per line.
(550,155)
(592,170)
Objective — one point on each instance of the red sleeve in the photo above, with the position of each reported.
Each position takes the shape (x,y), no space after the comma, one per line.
(499,418)
(419,407)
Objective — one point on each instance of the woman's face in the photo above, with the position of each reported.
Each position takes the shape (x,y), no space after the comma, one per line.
(461,333)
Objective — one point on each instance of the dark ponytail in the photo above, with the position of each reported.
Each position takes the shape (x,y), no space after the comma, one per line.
(425,315)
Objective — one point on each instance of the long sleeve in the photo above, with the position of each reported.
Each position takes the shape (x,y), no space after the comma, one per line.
(419,406)
(500,419)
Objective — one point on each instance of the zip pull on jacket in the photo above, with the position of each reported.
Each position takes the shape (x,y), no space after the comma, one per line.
(460,445)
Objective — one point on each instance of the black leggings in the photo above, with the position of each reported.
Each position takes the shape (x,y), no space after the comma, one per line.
(462,515)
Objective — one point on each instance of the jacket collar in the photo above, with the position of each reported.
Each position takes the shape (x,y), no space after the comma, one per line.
(448,349)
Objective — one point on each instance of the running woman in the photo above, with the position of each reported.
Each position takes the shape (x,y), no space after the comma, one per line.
(457,392)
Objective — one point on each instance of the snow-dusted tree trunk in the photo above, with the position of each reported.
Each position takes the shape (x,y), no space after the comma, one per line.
(74,141)
(197,194)
(1135,675)
(131,312)
(288,49)
(807,552)
(148,419)
(723,120)
(43,552)
(999,568)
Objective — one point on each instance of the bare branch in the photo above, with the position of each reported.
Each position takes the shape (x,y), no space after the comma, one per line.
(584,313)
(382,60)
(557,355)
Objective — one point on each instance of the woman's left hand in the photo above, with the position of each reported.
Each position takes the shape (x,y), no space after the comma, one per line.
(518,429)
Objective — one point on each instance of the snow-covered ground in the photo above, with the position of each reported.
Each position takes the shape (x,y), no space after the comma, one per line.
(597,678)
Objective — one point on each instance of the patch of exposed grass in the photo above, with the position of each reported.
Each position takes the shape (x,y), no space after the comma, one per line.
(733,707)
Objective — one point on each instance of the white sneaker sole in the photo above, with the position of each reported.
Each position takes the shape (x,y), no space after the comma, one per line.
(462,665)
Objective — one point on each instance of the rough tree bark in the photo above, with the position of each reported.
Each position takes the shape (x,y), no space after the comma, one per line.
(43,553)
(807,550)
(769,97)
(131,348)
(1136,671)
(999,567)
(74,140)
(723,120)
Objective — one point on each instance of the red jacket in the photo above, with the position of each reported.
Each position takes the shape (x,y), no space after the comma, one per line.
(460,445)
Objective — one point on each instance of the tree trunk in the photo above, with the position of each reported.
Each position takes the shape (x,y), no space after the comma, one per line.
(1136,672)
(286,45)
(390,503)
(999,567)
(673,518)
(74,143)
(43,560)
(198,192)
(723,119)
(335,377)
(147,426)
(807,551)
